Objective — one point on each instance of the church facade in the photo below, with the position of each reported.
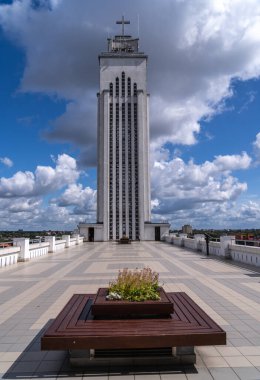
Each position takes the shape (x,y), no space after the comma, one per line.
(123,194)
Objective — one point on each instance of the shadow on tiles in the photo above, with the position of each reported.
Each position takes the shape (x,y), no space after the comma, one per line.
(54,364)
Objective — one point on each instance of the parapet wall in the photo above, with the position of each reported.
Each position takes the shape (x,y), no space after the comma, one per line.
(226,248)
(22,250)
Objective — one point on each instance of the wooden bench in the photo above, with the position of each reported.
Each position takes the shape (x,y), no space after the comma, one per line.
(75,329)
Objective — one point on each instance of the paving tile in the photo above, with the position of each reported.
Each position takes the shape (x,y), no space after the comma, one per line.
(55,355)
(223,374)
(240,342)
(24,367)
(173,376)
(32,356)
(121,377)
(5,366)
(255,360)
(238,361)
(9,356)
(46,288)
(49,366)
(208,351)
(247,373)
(250,350)
(215,361)
(147,377)
(201,374)
(228,351)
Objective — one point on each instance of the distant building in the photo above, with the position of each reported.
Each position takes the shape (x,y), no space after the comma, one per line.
(123,201)
(187,229)
(245,236)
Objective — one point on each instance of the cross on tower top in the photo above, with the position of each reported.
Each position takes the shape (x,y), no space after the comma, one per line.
(123,22)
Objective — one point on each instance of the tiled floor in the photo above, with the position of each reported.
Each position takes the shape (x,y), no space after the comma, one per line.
(32,293)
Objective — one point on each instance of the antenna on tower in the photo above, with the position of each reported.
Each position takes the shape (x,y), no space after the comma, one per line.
(138,26)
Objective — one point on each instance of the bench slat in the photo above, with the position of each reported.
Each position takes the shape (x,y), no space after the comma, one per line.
(75,328)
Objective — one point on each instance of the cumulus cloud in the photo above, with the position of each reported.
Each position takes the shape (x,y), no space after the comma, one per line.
(218,215)
(6,161)
(33,215)
(82,199)
(45,179)
(178,186)
(201,48)
(22,204)
(75,205)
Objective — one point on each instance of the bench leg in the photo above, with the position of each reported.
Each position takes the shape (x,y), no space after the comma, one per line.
(81,357)
(180,355)
(185,354)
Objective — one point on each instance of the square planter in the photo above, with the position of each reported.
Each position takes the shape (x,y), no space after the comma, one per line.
(102,307)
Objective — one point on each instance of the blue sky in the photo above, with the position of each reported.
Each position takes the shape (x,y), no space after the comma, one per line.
(204,82)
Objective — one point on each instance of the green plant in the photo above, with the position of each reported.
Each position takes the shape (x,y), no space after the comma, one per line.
(136,285)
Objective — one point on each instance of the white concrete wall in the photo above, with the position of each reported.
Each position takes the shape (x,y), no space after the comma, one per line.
(60,244)
(245,254)
(149,231)
(39,249)
(98,231)
(214,248)
(226,248)
(178,241)
(22,250)
(191,243)
(73,241)
(9,256)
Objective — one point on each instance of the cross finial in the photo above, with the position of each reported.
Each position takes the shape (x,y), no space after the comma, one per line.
(123,22)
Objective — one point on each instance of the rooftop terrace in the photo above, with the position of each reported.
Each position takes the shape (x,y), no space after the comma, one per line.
(32,293)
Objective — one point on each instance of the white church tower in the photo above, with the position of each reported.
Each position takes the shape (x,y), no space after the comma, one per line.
(123,201)
(123,138)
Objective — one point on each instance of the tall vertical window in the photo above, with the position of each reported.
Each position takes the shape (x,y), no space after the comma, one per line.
(117,86)
(135,89)
(117,170)
(123,171)
(136,171)
(111,89)
(123,84)
(111,170)
(130,195)
(128,86)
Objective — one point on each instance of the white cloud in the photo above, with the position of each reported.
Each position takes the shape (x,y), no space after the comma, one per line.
(22,204)
(6,161)
(45,179)
(179,186)
(32,215)
(83,199)
(233,162)
(224,215)
(202,46)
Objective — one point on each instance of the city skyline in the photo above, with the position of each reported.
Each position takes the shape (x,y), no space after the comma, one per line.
(203,79)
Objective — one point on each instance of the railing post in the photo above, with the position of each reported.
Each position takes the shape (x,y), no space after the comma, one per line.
(67,238)
(199,238)
(51,241)
(24,254)
(77,238)
(225,241)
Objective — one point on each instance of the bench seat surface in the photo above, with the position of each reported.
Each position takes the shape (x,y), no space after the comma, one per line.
(75,328)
